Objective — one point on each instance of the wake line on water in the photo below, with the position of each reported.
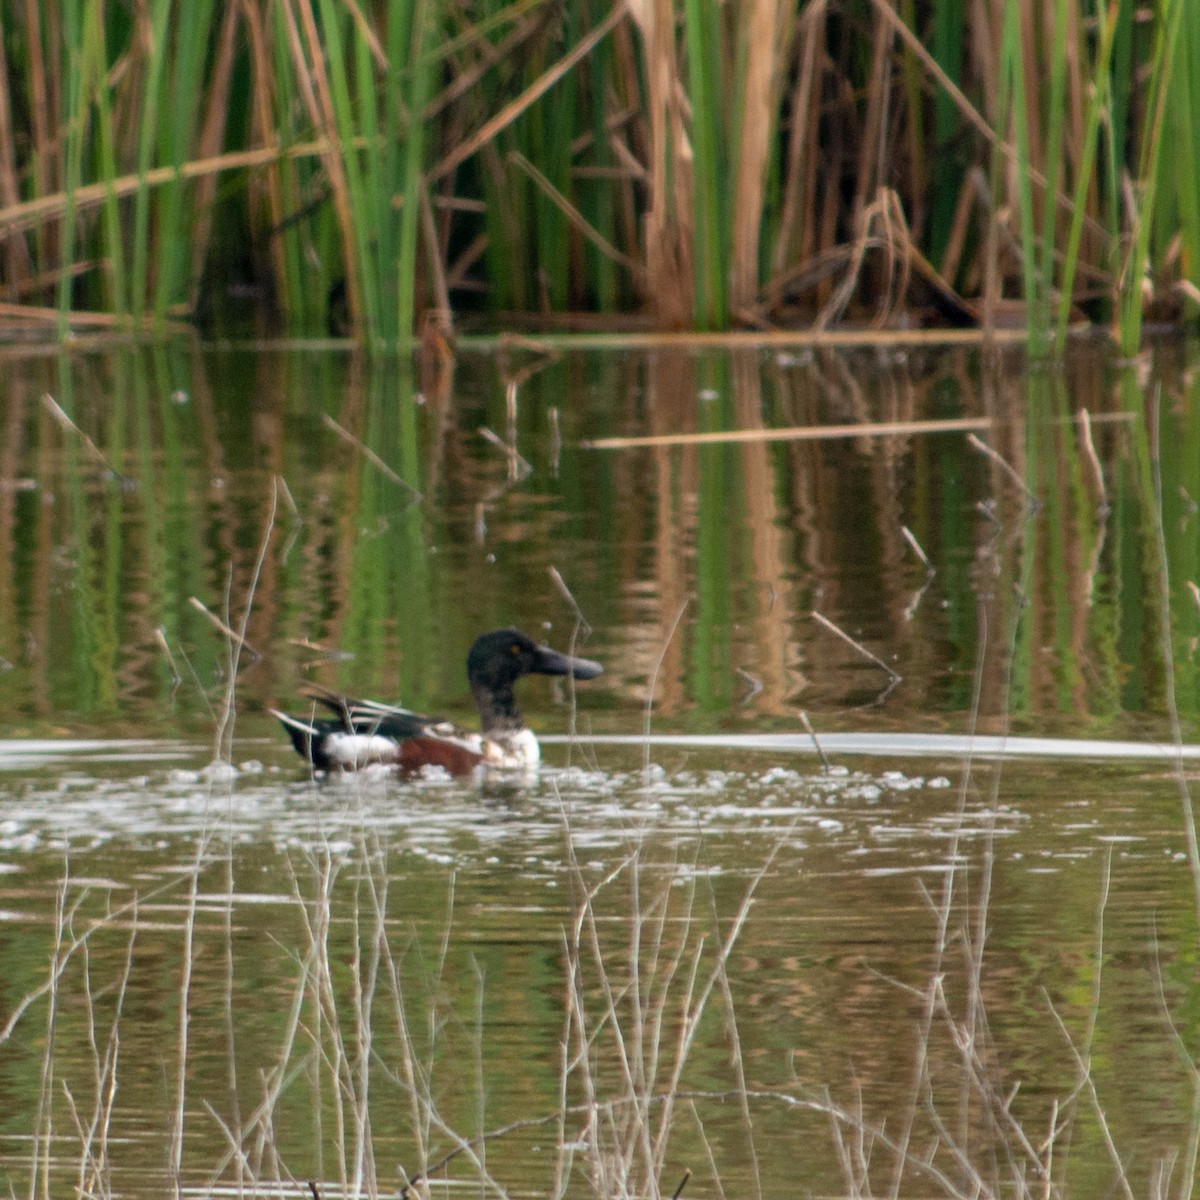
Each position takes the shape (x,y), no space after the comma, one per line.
(903,744)
(34,752)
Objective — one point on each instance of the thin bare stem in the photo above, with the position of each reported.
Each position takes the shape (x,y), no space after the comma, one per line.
(56,411)
(824,620)
(370,456)
(1013,474)
(799,433)
(234,638)
(1168,664)
(653,683)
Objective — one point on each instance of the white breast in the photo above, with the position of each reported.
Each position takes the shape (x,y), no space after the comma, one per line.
(512,750)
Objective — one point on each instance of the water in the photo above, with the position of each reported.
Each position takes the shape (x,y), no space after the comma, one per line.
(233,977)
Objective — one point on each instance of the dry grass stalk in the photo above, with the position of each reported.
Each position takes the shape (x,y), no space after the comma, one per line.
(488,131)
(308,53)
(798,185)
(1009,470)
(51,207)
(577,219)
(518,466)
(915,546)
(766,338)
(234,638)
(767,50)
(796,434)
(652,996)
(56,411)
(209,142)
(821,619)
(370,455)
(667,237)
(179,1108)
(1187,807)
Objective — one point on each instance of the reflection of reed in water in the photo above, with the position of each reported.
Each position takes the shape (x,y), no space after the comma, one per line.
(367,588)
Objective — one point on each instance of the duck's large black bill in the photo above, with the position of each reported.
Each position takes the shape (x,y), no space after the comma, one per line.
(550,662)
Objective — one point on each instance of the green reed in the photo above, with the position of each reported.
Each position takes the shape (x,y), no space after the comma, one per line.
(1013,112)
(1104,99)
(1137,266)
(707,90)
(945,171)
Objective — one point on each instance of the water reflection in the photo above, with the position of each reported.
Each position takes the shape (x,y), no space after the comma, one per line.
(394,529)
(344,981)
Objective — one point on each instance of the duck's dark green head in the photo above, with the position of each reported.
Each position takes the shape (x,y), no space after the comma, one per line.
(498,659)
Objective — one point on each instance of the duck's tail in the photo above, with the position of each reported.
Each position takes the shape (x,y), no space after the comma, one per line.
(304,734)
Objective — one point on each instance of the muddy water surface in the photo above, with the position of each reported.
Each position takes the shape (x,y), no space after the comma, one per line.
(757,955)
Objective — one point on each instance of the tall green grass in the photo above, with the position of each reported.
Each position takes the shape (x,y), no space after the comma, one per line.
(360,166)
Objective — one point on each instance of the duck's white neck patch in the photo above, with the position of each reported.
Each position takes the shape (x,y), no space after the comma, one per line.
(517,749)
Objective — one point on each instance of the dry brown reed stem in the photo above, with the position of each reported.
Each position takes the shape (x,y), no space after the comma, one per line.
(321,111)
(223,731)
(812,733)
(797,188)
(37,315)
(15,218)
(766,58)
(1013,474)
(1083,1056)
(649,1017)
(106,1066)
(370,455)
(669,207)
(1195,593)
(518,466)
(911,539)
(777,339)
(652,683)
(288,498)
(737,1062)
(577,219)
(1085,428)
(78,941)
(555,438)
(55,410)
(277,1079)
(488,54)
(931,995)
(160,636)
(179,1108)
(511,111)
(17,262)
(561,584)
(212,134)
(968,110)
(828,624)
(233,637)
(43,1128)
(798,433)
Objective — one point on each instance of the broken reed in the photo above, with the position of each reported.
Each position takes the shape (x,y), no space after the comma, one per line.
(760,162)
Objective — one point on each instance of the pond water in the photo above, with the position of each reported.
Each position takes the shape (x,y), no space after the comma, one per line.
(866,867)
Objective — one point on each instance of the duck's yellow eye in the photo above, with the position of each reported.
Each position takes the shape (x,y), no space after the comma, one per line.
(514,649)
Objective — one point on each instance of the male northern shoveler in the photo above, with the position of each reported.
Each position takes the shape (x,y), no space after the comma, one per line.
(364,731)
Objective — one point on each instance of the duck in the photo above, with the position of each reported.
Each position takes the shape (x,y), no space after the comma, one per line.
(364,733)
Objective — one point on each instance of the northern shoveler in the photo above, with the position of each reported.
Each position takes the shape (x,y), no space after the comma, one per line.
(363,732)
